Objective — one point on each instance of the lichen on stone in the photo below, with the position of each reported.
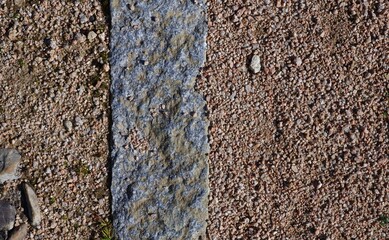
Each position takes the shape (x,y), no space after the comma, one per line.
(159,129)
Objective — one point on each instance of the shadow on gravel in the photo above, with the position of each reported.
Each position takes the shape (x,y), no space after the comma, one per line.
(105,5)
(106,11)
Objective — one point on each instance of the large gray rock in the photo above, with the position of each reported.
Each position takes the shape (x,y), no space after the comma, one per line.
(33,210)
(9,162)
(160,172)
(7,215)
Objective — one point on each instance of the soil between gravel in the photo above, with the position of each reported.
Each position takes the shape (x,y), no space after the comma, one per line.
(299,150)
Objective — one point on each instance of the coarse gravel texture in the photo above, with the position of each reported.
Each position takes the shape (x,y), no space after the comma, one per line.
(300,149)
(54,79)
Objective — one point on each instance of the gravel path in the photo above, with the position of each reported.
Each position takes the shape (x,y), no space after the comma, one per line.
(299,137)
(300,149)
(53,109)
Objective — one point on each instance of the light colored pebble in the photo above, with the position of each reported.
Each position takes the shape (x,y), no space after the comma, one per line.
(91,35)
(255,64)
(68,125)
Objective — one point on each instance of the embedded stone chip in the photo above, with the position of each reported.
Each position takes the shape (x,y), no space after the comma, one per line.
(255,64)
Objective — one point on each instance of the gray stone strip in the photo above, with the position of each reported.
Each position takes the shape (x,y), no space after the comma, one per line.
(159,129)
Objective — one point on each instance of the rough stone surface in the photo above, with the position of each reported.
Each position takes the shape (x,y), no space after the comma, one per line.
(34,213)
(19,233)
(9,161)
(7,215)
(160,146)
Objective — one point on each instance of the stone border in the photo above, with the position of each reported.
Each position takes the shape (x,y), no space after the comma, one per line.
(159,129)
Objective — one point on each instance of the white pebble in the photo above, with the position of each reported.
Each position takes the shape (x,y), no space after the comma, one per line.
(298,61)
(255,64)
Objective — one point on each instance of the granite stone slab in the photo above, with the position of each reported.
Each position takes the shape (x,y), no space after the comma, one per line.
(159,130)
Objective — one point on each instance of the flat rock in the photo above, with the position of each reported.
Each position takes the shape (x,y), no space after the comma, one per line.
(7,215)
(9,162)
(160,171)
(34,213)
(19,233)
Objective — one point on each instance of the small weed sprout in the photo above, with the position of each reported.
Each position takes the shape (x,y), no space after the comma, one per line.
(106,230)
(383,219)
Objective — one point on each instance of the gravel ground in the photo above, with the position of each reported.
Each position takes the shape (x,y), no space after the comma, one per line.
(300,149)
(53,109)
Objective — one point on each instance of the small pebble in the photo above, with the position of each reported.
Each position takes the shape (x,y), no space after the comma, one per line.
(80,37)
(298,61)
(255,64)
(91,35)
(78,121)
(68,125)
(83,18)
(106,67)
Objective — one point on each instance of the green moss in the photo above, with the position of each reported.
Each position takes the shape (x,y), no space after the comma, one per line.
(106,230)
(383,220)
(76,226)
(94,79)
(52,200)
(21,63)
(100,193)
(82,169)
(16,15)
(104,56)
(100,27)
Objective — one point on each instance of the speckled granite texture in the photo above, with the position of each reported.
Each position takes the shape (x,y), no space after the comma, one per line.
(160,146)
